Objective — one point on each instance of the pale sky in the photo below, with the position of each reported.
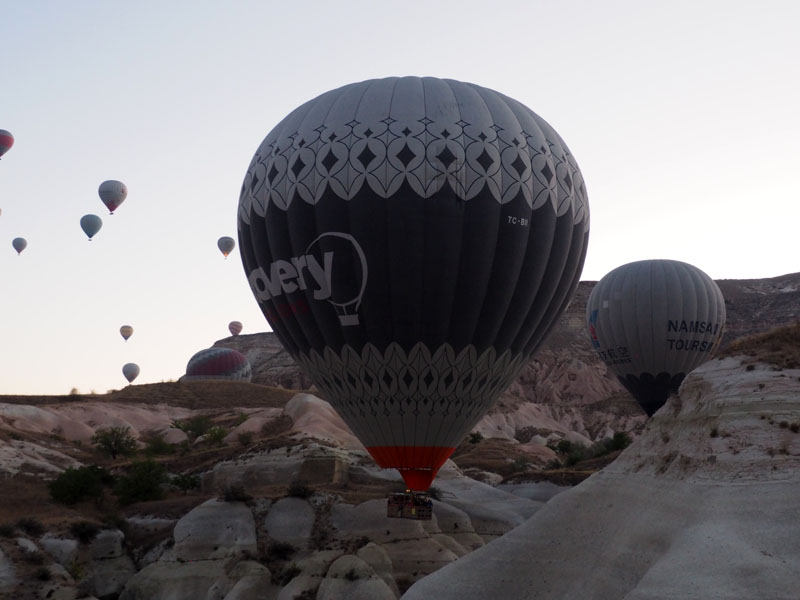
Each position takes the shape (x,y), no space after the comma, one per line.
(683,117)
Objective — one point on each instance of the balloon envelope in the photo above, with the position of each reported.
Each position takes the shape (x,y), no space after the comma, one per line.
(130,371)
(652,322)
(112,193)
(91,224)
(19,244)
(6,141)
(218,363)
(411,242)
(226,245)
(126,331)
(235,327)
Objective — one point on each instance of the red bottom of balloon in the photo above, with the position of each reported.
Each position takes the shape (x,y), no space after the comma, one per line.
(417,464)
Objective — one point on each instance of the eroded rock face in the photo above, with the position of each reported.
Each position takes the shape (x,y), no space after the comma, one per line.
(8,574)
(702,506)
(215,529)
(290,520)
(352,578)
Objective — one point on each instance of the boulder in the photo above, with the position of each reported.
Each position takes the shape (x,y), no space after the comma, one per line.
(8,574)
(63,550)
(253,582)
(290,520)
(350,577)
(165,580)
(215,529)
(377,558)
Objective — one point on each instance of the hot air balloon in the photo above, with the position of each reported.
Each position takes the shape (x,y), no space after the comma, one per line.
(19,244)
(6,141)
(411,241)
(91,224)
(218,363)
(235,327)
(652,322)
(130,371)
(126,331)
(226,245)
(112,193)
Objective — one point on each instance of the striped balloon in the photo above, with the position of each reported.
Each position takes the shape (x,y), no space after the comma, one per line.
(218,363)
(652,322)
(235,327)
(6,141)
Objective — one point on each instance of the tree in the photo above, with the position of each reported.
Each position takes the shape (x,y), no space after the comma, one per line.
(115,441)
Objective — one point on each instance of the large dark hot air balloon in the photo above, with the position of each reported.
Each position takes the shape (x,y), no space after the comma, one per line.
(411,242)
(218,363)
(652,322)
(6,141)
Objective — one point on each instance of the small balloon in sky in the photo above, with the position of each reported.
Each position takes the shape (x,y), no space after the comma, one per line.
(226,245)
(126,331)
(19,244)
(235,327)
(112,193)
(6,141)
(91,224)
(130,371)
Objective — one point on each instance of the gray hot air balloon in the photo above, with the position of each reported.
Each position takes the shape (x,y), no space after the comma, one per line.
(411,242)
(91,224)
(112,193)
(226,245)
(19,244)
(130,371)
(652,322)
(126,331)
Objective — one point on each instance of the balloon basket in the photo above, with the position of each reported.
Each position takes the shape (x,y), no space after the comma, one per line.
(417,506)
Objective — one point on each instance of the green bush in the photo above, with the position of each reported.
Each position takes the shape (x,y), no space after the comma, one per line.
(75,485)
(141,483)
(186,482)
(279,551)
(7,530)
(156,445)
(42,574)
(619,441)
(235,493)
(31,525)
(475,437)
(216,435)
(298,489)
(85,531)
(115,441)
(245,438)
(194,427)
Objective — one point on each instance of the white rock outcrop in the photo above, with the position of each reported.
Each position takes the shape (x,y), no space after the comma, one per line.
(352,578)
(703,506)
(215,529)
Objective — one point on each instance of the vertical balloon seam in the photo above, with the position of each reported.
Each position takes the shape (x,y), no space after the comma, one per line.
(491,339)
(573,263)
(687,283)
(443,433)
(677,289)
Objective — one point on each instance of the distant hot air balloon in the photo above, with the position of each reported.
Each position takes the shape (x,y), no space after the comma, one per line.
(130,371)
(126,331)
(652,322)
(112,193)
(411,242)
(226,245)
(19,244)
(218,363)
(235,327)
(6,141)
(91,224)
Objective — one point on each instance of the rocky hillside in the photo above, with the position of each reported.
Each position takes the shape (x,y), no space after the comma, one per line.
(565,389)
(703,506)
